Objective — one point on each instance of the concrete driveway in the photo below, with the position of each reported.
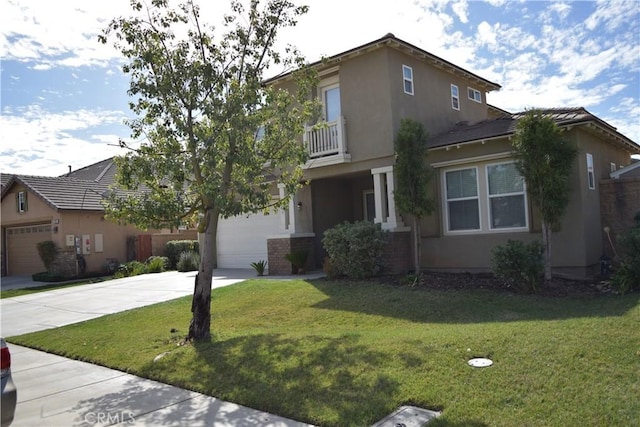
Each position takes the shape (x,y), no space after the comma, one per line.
(51,309)
(56,391)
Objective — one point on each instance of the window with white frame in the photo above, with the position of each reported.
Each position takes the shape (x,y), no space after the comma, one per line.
(455,97)
(463,209)
(474,95)
(612,166)
(591,178)
(486,199)
(407,77)
(506,194)
(21,201)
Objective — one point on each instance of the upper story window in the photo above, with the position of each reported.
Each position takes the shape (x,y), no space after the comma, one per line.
(474,95)
(591,177)
(331,101)
(21,201)
(455,97)
(407,77)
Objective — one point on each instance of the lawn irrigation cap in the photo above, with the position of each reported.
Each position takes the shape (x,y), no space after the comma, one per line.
(480,362)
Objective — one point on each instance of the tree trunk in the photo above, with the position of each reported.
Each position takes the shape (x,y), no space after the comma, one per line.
(416,245)
(200,326)
(546,243)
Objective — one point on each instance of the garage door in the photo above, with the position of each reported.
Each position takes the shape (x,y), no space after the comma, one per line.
(22,252)
(243,239)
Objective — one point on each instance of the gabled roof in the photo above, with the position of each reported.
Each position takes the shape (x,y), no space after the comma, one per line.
(103,171)
(62,193)
(501,127)
(401,45)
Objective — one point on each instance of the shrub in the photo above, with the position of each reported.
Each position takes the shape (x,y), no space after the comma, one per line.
(520,265)
(627,274)
(189,261)
(132,268)
(298,259)
(259,267)
(48,252)
(157,264)
(355,249)
(45,276)
(328,268)
(175,248)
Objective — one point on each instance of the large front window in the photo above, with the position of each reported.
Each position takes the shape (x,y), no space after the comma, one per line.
(506,196)
(462,199)
(491,198)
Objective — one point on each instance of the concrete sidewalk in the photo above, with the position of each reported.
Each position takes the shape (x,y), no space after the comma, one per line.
(56,391)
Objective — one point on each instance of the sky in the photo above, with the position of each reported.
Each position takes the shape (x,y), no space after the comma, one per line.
(64,97)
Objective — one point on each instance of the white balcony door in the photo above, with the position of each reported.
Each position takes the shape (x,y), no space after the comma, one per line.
(331,99)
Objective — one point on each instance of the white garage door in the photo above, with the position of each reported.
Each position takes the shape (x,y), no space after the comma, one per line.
(243,239)
(22,252)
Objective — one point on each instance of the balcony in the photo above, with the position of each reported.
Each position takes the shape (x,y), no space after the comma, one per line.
(327,143)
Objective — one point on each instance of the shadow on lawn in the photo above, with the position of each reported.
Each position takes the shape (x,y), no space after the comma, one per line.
(463,306)
(323,378)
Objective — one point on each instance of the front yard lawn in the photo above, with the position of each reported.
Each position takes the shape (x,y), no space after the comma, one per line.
(338,353)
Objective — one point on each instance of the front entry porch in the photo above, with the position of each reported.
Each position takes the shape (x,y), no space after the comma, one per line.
(363,196)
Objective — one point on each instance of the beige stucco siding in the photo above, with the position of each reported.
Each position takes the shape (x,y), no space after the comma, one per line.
(63,223)
(431,102)
(364,94)
(573,250)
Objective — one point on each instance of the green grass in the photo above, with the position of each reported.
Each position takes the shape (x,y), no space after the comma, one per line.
(332,353)
(10,293)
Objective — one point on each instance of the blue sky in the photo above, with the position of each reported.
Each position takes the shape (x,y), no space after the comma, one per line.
(63,96)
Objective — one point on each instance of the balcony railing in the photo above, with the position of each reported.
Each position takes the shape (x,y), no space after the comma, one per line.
(326,139)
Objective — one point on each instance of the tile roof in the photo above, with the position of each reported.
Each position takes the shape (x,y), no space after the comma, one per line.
(62,192)
(82,189)
(504,126)
(103,171)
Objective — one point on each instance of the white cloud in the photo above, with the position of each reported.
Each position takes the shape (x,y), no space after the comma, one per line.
(48,141)
(460,9)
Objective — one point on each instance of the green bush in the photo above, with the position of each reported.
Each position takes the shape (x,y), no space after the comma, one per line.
(175,248)
(259,267)
(45,276)
(626,277)
(355,249)
(520,265)
(157,264)
(48,252)
(298,259)
(132,268)
(189,261)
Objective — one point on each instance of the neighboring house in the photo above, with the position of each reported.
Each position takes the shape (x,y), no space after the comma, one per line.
(68,211)
(481,199)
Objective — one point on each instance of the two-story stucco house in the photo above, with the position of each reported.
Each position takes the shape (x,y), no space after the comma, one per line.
(482,201)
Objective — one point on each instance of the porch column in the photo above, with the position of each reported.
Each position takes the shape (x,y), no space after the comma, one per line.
(379,195)
(285,212)
(383,188)
(393,220)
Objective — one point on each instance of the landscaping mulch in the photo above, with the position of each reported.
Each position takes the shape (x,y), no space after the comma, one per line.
(558,287)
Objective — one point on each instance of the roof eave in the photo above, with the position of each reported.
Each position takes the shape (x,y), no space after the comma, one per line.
(397,43)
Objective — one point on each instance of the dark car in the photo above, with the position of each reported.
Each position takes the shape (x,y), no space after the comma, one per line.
(9,392)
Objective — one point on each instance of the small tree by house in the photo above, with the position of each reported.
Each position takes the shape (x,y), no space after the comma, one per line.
(545,161)
(413,177)
(215,139)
